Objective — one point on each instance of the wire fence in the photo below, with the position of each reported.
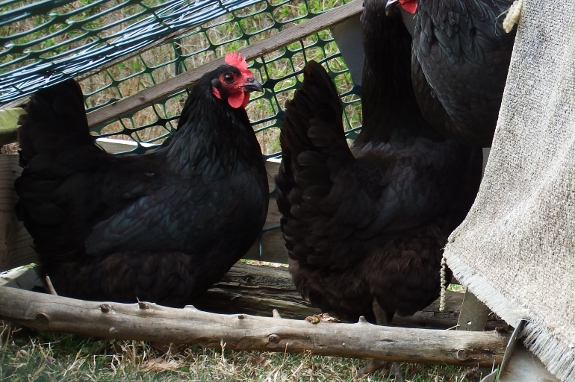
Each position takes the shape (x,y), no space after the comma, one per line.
(119,48)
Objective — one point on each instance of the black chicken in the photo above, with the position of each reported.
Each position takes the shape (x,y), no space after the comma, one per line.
(368,225)
(460,60)
(159,227)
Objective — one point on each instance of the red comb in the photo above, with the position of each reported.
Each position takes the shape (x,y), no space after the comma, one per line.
(235,59)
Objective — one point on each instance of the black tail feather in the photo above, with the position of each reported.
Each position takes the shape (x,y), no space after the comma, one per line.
(313,117)
(55,146)
(55,120)
(311,135)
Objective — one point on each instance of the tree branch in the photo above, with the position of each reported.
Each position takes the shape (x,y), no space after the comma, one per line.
(151,322)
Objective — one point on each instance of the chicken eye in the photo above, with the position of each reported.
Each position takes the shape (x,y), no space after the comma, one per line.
(228,77)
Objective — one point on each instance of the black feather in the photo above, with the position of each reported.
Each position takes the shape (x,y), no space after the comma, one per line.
(460,60)
(160,227)
(370,222)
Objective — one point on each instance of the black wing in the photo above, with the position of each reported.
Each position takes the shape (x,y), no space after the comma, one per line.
(329,199)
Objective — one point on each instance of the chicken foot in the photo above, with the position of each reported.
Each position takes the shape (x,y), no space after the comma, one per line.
(381,318)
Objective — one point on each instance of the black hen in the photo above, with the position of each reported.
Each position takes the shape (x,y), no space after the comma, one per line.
(460,60)
(160,227)
(369,224)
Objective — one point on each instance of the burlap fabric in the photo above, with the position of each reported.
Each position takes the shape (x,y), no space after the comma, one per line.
(516,248)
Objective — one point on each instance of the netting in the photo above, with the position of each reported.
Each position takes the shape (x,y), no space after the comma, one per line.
(49,41)
(118,48)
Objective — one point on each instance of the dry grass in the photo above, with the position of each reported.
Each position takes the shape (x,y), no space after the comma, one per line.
(31,356)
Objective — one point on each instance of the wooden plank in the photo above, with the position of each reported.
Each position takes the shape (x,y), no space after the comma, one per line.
(167,88)
(15,242)
(151,322)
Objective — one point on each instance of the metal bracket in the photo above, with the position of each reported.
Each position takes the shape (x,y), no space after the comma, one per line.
(520,365)
(511,346)
(508,351)
(473,315)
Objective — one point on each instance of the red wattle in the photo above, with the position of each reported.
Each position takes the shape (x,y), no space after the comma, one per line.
(237,99)
(409,6)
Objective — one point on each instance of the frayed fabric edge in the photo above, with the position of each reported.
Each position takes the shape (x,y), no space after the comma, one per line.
(557,356)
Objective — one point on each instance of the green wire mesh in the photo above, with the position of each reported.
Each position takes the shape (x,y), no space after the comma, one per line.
(37,31)
(36,36)
(280,73)
(44,42)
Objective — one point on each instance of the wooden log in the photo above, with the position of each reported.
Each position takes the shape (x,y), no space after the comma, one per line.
(151,322)
(259,289)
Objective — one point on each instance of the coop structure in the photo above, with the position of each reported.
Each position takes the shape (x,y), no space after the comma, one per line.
(135,61)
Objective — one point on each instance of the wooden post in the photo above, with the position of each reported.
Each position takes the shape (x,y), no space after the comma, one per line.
(15,242)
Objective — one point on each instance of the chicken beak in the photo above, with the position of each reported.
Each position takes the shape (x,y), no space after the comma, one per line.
(252,85)
(390,6)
